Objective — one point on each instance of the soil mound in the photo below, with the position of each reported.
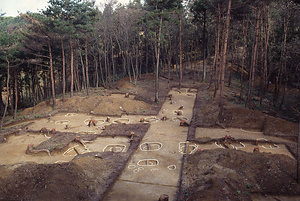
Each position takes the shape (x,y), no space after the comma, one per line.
(124,84)
(98,105)
(41,108)
(224,174)
(44,182)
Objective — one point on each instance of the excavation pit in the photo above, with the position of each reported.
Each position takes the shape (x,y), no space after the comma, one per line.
(172,167)
(115,148)
(75,149)
(148,162)
(62,122)
(97,121)
(151,146)
(151,119)
(122,121)
(187,147)
(106,144)
(180,118)
(178,112)
(71,114)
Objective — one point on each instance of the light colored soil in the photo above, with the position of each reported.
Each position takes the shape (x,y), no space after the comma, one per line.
(157,170)
(11,155)
(98,105)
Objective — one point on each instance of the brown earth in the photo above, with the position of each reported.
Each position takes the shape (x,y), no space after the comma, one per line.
(206,112)
(224,174)
(97,105)
(207,175)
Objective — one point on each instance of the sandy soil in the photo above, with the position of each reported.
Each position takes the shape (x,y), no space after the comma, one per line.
(90,173)
(209,172)
(110,104)
(156,164)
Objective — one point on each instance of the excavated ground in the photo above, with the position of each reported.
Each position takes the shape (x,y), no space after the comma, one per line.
(86,161)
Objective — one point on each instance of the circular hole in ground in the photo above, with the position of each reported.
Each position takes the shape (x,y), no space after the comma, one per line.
(63,122)
(121,121)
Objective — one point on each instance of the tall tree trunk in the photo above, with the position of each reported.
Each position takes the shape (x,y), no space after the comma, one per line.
(253,63)
(127,63)
(7,89)
(140,56)
(176,58)
(147,56)
(107,78)
(264,76)
(2,105)
(51,75)
(16,93)
(265,72)
(35,95)
(232,53)
(112,61)
(180,50)
(204,46)
(195,61)
(245,30)
(96,70)
(84,82)
(76,79)
(132,66)
(86,66)
(157,62)
(284,59)
(100,67)
(136,63)
(72,69)
(63,68)
(10,100)
(169,61)
(221,51)
(224,59)
(217,45)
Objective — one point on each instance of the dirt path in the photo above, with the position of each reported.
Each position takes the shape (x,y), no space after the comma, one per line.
(154,169)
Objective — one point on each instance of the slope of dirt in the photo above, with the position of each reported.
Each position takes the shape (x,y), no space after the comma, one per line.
(101,101)
(98,105)
(224,174)
(206,115)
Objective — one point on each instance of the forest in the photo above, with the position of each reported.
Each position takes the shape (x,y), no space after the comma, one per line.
(73,45)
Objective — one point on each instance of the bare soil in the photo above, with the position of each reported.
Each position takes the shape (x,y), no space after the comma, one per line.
(224,174)
(86,177)
(215,174)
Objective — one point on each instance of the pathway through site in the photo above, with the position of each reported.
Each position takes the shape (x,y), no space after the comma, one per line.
(154,169)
